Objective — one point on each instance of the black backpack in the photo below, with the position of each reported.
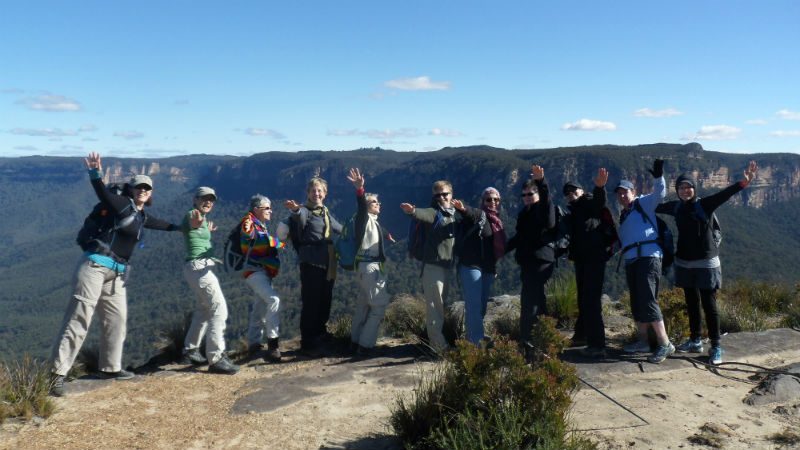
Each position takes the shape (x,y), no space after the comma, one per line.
(559,236)
(233,258)
(100,226)
(665,239)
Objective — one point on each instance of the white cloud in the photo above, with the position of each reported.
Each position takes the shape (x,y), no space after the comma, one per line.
(129,135)
(647,112)
(11,91)
(589,125)
(26,148)
(48,132)
(423,83)
(88,139)
(50,102)
(715,133)
(788,115)
(756,122)
(264,132)
(88,128)
(444,132)
(785,133)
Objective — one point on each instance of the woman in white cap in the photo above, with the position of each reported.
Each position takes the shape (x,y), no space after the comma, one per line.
(211,311)
(108,238)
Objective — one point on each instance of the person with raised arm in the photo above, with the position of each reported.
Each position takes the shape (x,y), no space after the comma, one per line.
(102,275)
(697,266)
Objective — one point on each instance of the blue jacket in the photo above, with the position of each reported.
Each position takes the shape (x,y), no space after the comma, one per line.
(635,228)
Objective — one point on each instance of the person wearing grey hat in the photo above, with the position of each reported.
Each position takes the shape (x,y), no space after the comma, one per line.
(211,310)
(108,239)
(697,265)
(638,232)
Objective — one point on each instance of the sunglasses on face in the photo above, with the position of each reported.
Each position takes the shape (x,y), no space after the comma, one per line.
(264,208)
(143,187)
(492,200)
(528,194)
(374,202)
(441,194)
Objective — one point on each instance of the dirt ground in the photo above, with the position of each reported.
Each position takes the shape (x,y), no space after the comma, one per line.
(338,403)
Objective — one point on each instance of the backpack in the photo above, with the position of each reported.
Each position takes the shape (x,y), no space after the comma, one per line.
(700,215)
(233,258)
(346,246)
(100,226)
(559,236)
(665,239)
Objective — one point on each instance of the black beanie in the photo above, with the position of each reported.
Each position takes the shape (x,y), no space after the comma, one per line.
(683,178)
(571,186)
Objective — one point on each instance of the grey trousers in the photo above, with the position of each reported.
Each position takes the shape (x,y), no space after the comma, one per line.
(97,289)
(435,280)
(210,312)
(371,304)
(264,317)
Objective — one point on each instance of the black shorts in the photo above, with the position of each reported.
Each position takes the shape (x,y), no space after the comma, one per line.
(643,276)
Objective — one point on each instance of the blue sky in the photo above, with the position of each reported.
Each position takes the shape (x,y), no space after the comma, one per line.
(162,78)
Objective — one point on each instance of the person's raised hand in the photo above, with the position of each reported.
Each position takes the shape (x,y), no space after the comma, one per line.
(356,177)
(407,208)
(602,177)
(93,161)
(291,205)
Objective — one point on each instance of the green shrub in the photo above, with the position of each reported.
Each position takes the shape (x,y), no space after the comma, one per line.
(769,298)
(405,318)
(562,299)
(736,316)
(490,398)
(24,389)
(341,329)
(792,315)
(676,318)
(170,337)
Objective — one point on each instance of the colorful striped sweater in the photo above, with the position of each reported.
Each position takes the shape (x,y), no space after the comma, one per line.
(264,251)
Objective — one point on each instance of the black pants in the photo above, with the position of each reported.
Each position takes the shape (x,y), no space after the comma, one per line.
(316,294)
(589,277)
(694,296)
(533,302)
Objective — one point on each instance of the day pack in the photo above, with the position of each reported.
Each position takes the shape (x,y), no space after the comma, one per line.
(417,234)
(233,258)
(665,239)
(463,233)
(346,246)
(700,216)
(99,227)
(559,236)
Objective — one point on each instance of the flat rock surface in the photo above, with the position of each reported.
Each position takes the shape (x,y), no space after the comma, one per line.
(342,403)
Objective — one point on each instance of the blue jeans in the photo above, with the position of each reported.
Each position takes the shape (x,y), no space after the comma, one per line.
(476,288)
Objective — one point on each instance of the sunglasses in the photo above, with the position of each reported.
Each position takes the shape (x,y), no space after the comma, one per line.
(441,194)
(374,202)
(143,187)
(492,200)
(264,208)
(528,194)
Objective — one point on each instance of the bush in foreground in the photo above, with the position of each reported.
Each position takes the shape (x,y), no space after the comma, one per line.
(24,388)
(479,398)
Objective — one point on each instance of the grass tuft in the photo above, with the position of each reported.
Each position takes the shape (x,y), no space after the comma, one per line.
(24,389)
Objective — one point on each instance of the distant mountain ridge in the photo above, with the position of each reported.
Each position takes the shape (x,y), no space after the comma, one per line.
(44,201)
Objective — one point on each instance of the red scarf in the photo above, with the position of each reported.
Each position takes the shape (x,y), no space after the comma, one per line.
(498,233)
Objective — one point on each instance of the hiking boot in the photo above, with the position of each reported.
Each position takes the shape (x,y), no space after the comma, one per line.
(637,347)
(715,355)
(223,366)
(273,351)
(193,357)
(57,386)
(594,352)
(691,346)
(121,375)
(253,350)
(661,353)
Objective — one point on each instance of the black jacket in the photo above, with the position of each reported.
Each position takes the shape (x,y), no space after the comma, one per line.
(535,227)
(695,239)
(475,246)
(361,225)
(125,239)
(591,227)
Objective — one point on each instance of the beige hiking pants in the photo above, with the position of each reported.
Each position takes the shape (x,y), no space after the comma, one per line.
(210,312)
(370,305)
(434,284)
(97,289)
